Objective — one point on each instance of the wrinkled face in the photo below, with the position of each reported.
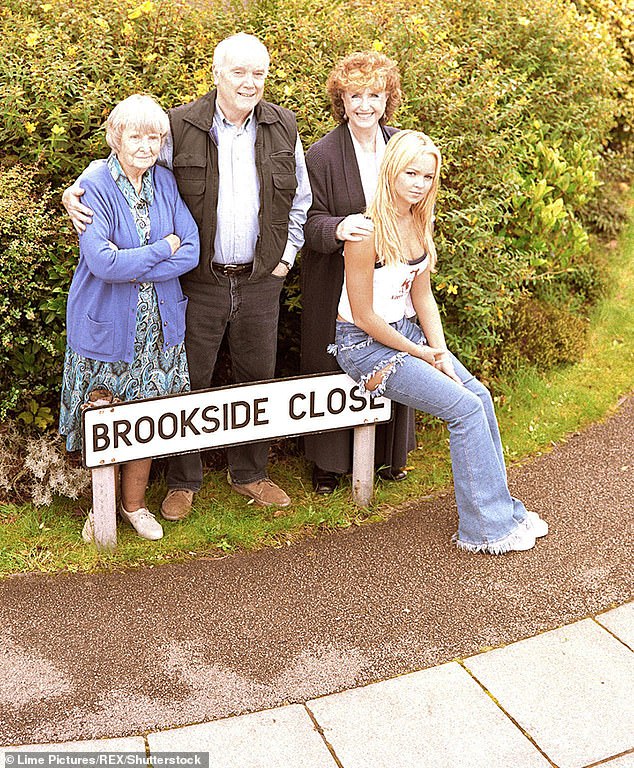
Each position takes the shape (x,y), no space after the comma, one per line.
(240,82)
(414,181)
(364,108)
(139,150)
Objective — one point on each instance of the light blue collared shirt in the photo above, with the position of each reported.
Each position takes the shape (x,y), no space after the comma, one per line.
(239,192)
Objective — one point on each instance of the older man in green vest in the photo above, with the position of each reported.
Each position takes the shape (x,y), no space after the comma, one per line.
(239,166)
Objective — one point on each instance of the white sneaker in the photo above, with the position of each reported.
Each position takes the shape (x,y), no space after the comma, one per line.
(540,527)
(143,522)
(522,539)
(88,531)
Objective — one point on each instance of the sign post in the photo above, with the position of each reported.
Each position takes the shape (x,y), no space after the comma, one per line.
(363,465)
(215,418)
(104,507)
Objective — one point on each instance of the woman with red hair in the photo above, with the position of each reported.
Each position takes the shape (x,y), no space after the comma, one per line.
(365,91)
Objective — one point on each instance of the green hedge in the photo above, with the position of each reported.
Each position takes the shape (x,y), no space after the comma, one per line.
(524,100)
(36,264)
(618,17)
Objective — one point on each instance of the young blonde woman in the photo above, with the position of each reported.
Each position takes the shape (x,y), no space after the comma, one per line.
(390,355)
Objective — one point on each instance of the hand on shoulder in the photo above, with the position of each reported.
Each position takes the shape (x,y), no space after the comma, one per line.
(80,215)
(354,228)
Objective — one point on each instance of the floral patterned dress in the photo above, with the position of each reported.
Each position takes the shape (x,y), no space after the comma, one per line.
(153,371)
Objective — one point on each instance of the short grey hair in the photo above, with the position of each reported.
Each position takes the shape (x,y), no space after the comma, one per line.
(239,41)
(140,111)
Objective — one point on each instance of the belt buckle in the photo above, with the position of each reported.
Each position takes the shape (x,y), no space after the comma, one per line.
(233,269)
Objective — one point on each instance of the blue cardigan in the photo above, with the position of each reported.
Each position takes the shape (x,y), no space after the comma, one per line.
(102,301)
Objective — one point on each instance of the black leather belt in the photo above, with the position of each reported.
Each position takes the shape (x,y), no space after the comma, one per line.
(233,269)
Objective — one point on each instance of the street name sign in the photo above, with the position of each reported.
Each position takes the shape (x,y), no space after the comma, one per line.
(216,418)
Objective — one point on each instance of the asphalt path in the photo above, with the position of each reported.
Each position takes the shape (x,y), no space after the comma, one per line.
(114,654)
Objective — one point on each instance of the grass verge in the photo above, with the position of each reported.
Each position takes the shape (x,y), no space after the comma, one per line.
(535,412)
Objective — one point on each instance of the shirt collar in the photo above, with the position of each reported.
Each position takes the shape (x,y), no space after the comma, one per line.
(222,118)
(122,181)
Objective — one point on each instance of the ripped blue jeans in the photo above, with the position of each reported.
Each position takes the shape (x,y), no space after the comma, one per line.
(488,514)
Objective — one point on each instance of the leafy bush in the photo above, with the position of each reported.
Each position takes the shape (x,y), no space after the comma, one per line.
(542,335)
(524,99)
(36,263)
(618,18)
(520,103)
(66,64)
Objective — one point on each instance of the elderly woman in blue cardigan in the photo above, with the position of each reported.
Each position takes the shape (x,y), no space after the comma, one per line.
(126,312)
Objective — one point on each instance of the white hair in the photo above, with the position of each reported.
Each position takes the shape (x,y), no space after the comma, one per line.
(139,111)
(238,43)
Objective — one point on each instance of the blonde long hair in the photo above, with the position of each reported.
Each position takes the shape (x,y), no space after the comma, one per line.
(401,150)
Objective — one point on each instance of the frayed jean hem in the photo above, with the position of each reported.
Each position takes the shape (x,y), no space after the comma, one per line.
(499,547)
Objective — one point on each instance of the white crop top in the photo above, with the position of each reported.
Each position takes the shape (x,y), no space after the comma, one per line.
(391,287)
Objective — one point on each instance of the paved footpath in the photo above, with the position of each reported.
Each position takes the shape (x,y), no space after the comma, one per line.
(380,646)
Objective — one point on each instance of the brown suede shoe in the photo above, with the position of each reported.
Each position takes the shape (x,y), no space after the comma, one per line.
(177,504)
(263,492)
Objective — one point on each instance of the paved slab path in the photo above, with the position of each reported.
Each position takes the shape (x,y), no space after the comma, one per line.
(126,654)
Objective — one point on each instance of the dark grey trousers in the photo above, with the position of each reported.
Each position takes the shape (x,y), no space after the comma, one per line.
(248,312)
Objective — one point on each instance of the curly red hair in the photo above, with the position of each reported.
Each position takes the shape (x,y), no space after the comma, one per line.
(358,71)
